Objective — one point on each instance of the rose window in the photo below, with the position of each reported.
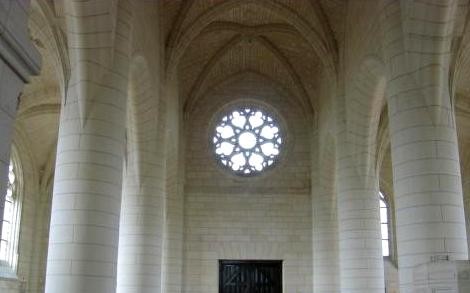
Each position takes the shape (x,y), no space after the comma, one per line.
(247,141)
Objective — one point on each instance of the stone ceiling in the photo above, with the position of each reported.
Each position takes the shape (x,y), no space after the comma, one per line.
(289,42)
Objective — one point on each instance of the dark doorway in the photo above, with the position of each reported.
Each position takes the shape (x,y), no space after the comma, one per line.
(250,276)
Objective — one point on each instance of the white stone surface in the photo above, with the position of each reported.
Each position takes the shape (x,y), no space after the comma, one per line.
(343,74)
(263,217)
(324,218)
(429,203)
(442,276)
(18,60)
(360,246)
(142,209)
(84,227)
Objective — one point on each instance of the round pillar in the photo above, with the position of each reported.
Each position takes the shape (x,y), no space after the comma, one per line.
(84,227)
(360,245)
(325,221)
(430,219)
(142,209)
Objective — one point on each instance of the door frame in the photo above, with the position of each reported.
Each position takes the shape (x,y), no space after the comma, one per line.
(249,261)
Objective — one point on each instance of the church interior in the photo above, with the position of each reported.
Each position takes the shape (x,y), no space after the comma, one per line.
(234,146)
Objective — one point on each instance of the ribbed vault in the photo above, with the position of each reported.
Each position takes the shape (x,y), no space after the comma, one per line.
(288,42)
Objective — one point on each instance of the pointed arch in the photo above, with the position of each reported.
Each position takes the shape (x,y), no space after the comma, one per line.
(270,47)
(324,48)
(54,41)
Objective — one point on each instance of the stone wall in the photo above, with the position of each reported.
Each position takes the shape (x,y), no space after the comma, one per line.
(18,60)
(262,217)
(198,213)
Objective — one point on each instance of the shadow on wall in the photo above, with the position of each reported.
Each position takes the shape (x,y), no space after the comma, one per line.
(391,276)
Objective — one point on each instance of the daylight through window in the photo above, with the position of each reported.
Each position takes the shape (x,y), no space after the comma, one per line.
(10,223)
(247,141)
(384,225)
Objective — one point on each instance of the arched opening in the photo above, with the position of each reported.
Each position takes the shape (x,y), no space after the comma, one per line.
(384,225)
(9,239)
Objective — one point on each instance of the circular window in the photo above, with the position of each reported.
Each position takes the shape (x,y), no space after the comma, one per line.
(247,140)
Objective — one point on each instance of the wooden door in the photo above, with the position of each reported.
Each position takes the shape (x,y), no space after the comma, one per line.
(237,276)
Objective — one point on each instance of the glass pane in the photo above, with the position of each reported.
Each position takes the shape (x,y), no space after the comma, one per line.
(384,229)
(382,204)
(238,120)
(268,149)
(268,132)
(9,193)
(6,231)
(256,161)
(3,250)
(8,212)
(238,161)
(225,148)
(226,131)
(11,177)
(385,248)
(8,224)
(256,120)
(383,215)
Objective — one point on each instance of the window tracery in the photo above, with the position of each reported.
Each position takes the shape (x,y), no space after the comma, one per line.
(247,141)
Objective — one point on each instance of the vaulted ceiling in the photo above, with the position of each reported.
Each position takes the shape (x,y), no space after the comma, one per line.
(291,43)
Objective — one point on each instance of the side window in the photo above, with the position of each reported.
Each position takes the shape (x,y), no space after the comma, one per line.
(11,223)
(384,225)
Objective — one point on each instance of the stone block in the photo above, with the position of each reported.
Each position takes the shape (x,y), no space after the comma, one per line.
(442,276)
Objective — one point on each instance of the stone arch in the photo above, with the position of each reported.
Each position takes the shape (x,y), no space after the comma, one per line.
(143,102)
(22,152)
(440,61)
(54,40)
(364,103)
(34,207)
(183,38)
(249,30)
(142,191)
(111,20)
(271,48)
(189,108)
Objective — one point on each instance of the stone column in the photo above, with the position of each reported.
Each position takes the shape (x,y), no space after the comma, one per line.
(325,221)
(141,229)
(173,243)
(84,228)
(466,195)
(18,60)
(360,248)
(430,220)
(142,209)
